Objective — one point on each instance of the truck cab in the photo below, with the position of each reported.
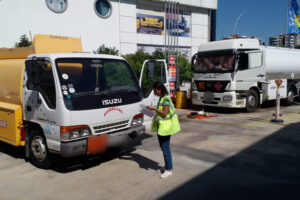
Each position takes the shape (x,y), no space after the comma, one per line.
(79,99)
(222,74)
(68,103)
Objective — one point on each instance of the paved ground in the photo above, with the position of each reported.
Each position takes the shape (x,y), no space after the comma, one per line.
(232,156)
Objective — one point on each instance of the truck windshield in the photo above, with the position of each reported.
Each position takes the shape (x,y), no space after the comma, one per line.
(89,83)
(214,62)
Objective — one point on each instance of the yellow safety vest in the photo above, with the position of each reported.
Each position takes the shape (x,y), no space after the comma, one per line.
(168,125)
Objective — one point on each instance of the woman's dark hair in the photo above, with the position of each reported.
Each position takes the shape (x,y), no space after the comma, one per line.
(160,86)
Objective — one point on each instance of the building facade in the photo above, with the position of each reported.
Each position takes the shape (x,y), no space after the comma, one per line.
(277,40)
(127,25)
(285,40)
(292,40)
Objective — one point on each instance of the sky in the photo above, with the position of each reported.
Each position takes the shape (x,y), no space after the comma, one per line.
(260,18)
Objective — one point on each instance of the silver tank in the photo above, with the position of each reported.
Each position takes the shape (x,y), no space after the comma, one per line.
(281,61)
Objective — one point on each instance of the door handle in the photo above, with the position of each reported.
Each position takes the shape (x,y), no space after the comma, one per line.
(28,108)
(260,75)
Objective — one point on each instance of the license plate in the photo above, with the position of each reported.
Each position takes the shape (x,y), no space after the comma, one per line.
(208,97)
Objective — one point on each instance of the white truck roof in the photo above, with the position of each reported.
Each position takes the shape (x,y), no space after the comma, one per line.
(77,55)
(230,44)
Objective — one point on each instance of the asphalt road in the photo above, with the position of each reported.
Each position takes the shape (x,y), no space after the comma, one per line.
(235,155)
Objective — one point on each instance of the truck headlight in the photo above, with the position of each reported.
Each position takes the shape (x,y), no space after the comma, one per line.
(137,119)
(84,132)
(227,98)
(74,132)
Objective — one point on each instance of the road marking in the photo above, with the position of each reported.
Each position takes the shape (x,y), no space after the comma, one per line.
(257,123)
(252,124)
(268,121)
(218,122)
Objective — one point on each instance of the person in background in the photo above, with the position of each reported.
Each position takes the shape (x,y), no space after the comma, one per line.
(165,123)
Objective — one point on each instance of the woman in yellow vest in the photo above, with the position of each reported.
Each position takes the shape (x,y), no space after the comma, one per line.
(165,123)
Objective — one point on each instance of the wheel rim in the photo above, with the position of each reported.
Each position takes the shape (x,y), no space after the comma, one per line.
(291,96)
(38,148)
(251,101)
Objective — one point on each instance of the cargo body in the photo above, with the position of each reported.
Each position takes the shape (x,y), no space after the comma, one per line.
(71,104)
(240,73)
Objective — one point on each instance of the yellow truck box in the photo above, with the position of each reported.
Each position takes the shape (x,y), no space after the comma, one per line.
(12,66)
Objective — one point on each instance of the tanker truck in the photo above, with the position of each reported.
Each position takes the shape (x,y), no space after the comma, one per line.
(56,99)
(240,73)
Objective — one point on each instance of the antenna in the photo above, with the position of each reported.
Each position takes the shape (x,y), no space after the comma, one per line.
(236,22)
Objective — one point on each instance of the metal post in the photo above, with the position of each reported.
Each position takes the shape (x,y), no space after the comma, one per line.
(213,19)
(165,29)
(171,29)
(277,109)
(177,49)
(169,25)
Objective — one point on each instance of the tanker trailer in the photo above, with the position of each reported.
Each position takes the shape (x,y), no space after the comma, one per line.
(240,73)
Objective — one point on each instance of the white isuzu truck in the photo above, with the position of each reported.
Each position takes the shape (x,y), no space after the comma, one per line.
(240,73)
(56,99)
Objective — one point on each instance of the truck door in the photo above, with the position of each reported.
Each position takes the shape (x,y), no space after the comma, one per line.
(250,69)
(40,100)
(152,70)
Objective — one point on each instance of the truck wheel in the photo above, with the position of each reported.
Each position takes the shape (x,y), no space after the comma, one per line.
(251,101)
(290,99)
(38,151)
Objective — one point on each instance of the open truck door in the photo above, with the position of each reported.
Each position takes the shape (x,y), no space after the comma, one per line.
(152,71)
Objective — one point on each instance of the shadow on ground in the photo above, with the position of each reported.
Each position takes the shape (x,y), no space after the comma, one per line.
(66,165)
(270,169)
(16,152)
(142,161)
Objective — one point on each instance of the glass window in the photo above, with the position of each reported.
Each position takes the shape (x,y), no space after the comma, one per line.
(46,83)
(255,60)
(159,75)
(118,76)
(103,8)
(243,61)
(214,62)
(92,83)
(57,6)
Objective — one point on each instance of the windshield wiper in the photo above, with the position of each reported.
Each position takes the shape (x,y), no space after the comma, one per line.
(104,94)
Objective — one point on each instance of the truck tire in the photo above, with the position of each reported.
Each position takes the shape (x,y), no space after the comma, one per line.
(290,98)
(251,101)
(38,150)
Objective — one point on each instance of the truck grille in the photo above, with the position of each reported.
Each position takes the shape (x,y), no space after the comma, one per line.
(211,86)
(111,127)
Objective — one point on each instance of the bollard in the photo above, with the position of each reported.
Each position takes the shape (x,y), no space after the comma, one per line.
(277,109)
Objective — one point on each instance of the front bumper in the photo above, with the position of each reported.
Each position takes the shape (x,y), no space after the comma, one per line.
(99,143)
(198,98)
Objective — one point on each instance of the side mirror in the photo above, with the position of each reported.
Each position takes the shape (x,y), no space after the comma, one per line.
(193,61)
(150,69)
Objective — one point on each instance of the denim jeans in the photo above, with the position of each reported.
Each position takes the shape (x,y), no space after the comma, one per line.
(164,143)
